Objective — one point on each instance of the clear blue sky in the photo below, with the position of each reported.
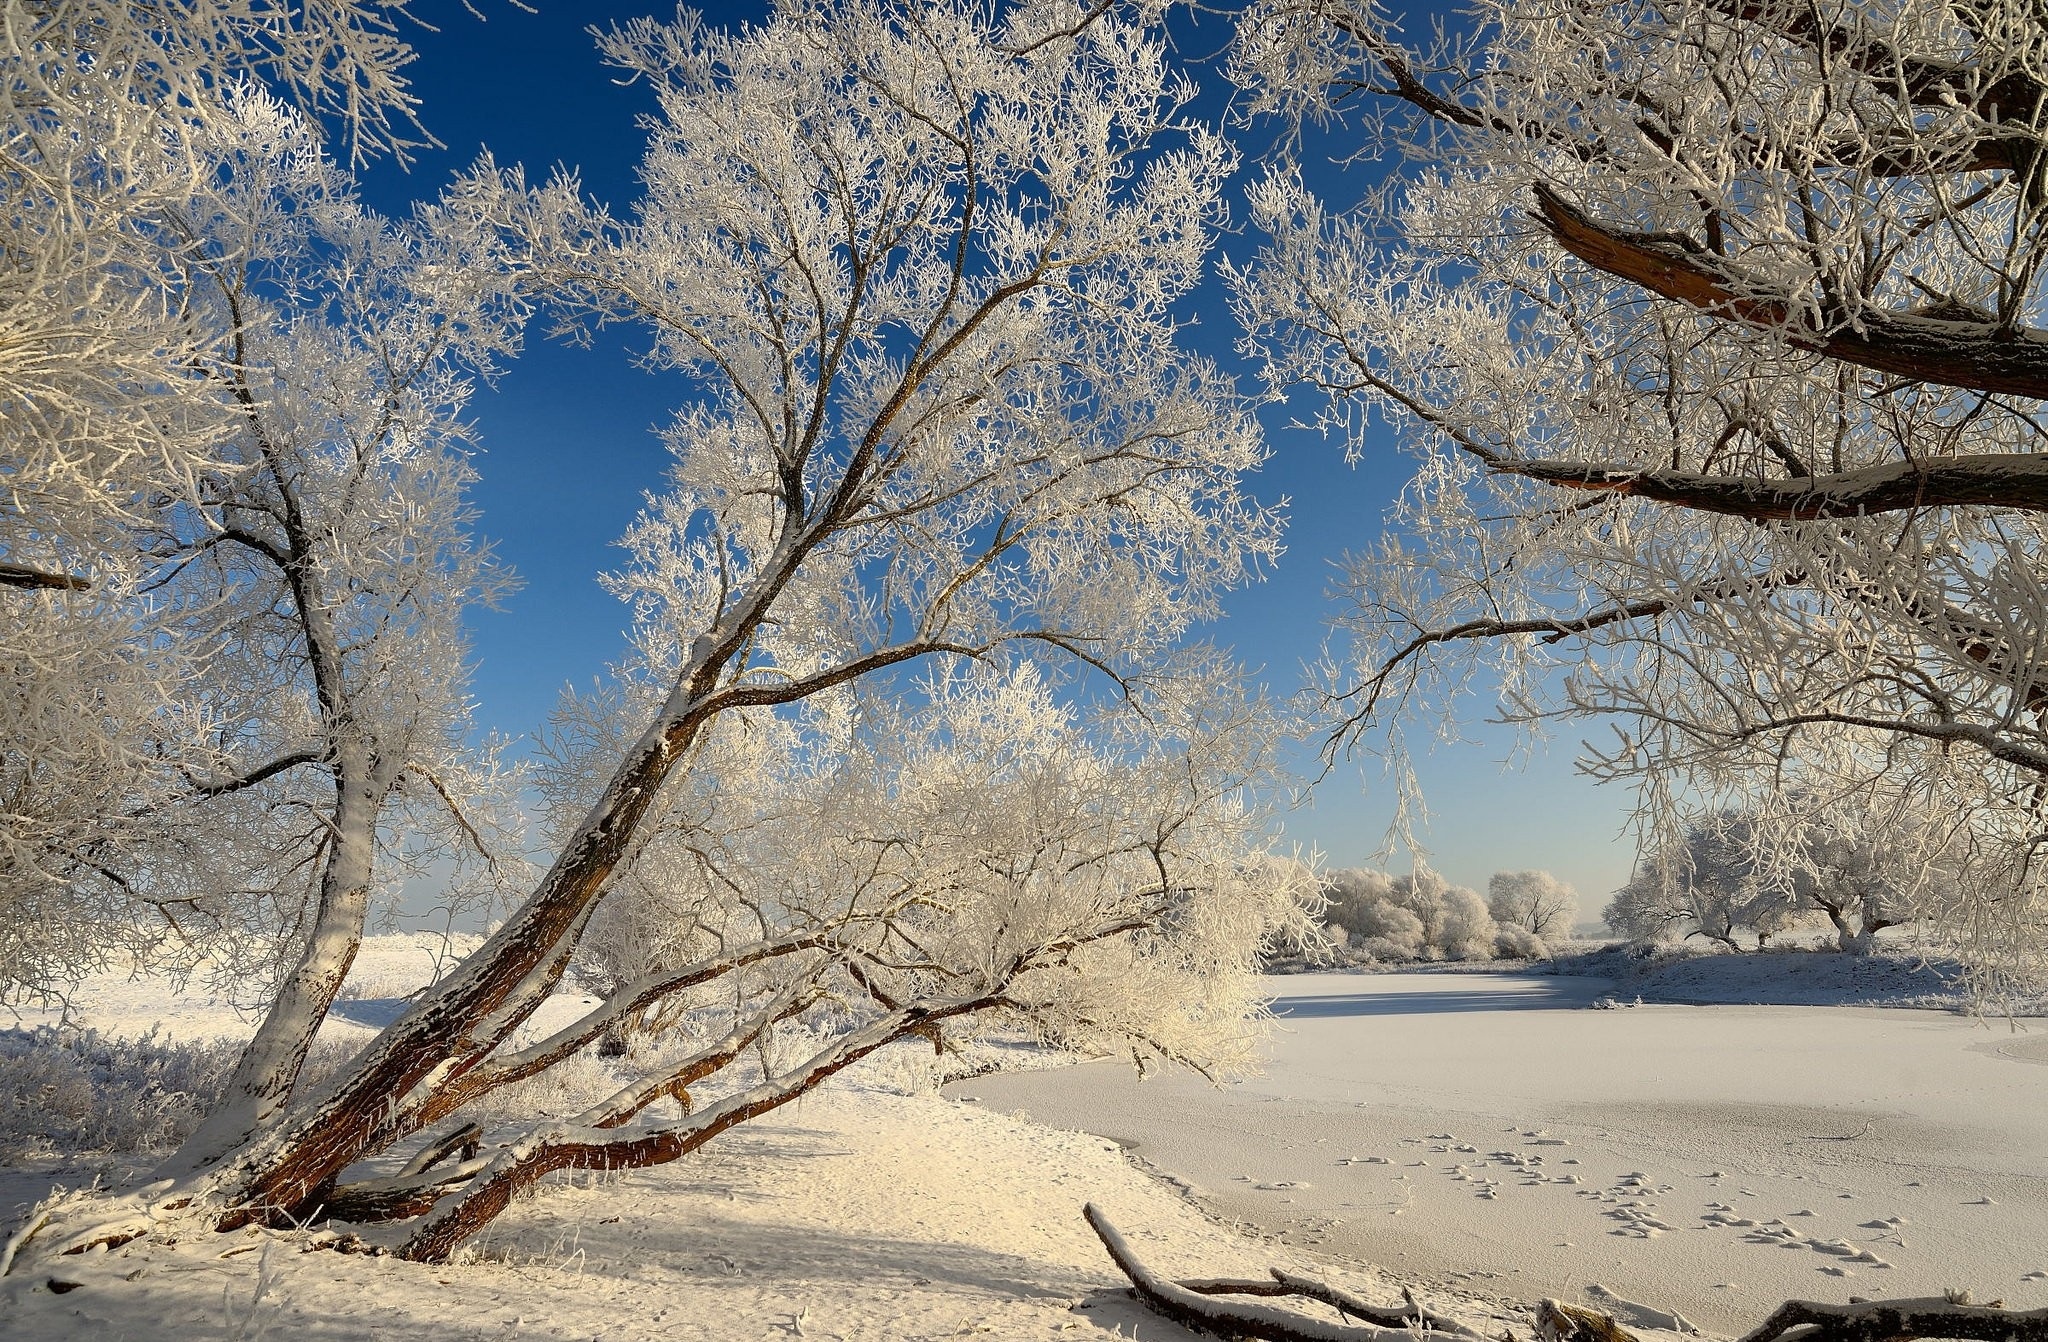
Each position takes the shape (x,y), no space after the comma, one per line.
(569,447)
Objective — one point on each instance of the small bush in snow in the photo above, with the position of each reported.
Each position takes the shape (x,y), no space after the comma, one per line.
(79,1092)
(1517,943)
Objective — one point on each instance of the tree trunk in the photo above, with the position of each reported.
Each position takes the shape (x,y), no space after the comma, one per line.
(261,1088)
(454,1025)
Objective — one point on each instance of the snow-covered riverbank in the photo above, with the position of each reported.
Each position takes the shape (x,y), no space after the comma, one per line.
(1482,1136)
(860,1213)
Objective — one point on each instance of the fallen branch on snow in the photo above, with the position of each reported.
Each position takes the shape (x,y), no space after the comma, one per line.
(1886,1320)
(1192,1303)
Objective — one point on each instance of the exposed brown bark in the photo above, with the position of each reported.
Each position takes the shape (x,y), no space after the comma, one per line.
(1974,355)
(599,1148)
(1559,1322)
(17,575)
(397,1197)
(1922,81)
(2013,481)
(464,1139)
(1886,1320)
(1408,1315)
(503,1070)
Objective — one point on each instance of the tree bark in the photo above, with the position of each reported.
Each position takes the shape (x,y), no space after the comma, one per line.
(454,1025)
(1973,355)
(261,1088)
(603,1148)
(18,575)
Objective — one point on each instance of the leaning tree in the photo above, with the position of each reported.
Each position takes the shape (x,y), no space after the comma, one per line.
(915,274)
(1712,327)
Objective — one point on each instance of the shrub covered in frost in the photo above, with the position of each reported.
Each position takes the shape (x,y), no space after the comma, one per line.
(1512,942)
(75,1091)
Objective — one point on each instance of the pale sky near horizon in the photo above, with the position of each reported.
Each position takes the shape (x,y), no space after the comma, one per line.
(569,446)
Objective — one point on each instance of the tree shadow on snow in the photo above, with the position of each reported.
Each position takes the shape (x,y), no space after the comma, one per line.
(1545,997)
(374,1012)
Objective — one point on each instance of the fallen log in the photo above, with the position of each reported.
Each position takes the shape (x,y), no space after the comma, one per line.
(1886,1320)
(1195,1304)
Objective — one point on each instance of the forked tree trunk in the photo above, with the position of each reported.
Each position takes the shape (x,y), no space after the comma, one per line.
(454,1025)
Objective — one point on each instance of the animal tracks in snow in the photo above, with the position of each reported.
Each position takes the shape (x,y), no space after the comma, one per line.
(1638,1202)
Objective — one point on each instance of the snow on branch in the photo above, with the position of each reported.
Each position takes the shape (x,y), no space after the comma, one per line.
(2017,481)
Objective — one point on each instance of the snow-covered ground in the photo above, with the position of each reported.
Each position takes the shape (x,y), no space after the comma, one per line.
(862,1213)
(1491,1130)
(1477,1135)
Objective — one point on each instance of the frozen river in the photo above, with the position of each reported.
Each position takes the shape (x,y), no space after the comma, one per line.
(1490,1129)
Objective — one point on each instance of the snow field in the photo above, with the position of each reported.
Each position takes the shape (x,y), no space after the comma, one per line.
(1489,1132)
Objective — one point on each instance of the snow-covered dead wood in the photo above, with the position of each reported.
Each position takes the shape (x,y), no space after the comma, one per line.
(1196,1305)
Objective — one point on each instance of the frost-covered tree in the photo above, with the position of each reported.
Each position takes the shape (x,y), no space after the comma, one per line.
(1715,882)
(255,717)
(114,119)
(1455,923)
(915,270)
(1418,916)
(103,113)
(320,578)
(1535,901)
(1866,867)
(1713,325)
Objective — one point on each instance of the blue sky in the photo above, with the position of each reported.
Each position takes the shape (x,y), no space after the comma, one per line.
(569,448)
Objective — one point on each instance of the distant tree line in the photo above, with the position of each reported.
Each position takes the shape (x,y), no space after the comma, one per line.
(1374,916)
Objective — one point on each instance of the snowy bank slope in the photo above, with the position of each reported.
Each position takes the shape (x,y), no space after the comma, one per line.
(859,1214)
(1790,976)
